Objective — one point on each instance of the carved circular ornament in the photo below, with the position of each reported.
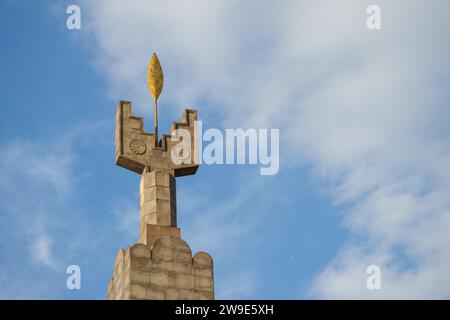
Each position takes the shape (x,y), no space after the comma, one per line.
(180,154)
(138,147)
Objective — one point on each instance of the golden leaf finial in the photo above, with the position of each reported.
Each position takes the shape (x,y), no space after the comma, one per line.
(155,77)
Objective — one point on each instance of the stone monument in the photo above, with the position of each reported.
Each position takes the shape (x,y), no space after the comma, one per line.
(160,265)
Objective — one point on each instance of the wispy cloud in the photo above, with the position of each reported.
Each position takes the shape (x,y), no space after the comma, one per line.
(41,249)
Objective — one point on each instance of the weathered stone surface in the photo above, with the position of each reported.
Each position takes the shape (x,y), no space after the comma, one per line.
(182,267)
(166,270)
(204,283)
(138,276)
(161,253)
(140,251)
(150,233)
(203,272)
(186,294)
(155,294)
(172,294)
(142,264)
(204,295)
(159,278)
(182,256)
(185,281)
(138,291)
(202,259)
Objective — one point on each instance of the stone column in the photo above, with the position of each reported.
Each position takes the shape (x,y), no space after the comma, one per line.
(157,199)
(158,204)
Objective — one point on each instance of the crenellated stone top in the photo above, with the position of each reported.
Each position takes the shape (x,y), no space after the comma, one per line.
(136,151)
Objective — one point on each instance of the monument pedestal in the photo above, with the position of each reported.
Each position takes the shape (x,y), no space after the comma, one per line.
(162,269)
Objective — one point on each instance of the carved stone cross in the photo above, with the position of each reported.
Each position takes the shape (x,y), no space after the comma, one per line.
(161,265)
(137,150)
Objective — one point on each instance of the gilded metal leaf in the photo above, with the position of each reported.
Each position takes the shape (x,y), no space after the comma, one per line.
(155,77)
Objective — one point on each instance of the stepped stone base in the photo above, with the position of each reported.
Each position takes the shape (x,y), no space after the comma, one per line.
(161,267)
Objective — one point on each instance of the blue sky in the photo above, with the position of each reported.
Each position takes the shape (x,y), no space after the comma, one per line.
(363,118)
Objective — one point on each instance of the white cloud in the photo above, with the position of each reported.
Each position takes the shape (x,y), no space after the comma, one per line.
(41,250)
(367,109)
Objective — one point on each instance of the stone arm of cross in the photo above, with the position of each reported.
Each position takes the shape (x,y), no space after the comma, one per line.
(136,151)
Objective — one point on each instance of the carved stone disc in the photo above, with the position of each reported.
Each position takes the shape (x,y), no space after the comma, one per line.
(138,147)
